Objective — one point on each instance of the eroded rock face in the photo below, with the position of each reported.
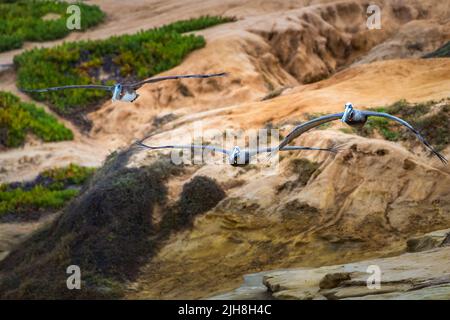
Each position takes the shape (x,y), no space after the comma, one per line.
(429,241)
(265,51)
(359,204)
(424,275)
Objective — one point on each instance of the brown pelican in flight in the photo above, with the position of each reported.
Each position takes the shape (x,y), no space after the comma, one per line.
(356,118)
(236,156)
(126,92)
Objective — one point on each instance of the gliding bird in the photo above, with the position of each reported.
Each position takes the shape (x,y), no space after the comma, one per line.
(236,156)
(356,118)
(126,92)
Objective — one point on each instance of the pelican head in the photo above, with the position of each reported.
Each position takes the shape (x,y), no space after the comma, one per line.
(234,156)
(129,96)
(117,92)
(348,112)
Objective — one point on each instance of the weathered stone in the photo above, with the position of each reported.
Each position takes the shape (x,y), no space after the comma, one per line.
(410,276)
(333,280)
(429,241)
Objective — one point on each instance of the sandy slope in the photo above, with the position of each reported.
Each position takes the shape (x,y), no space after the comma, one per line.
(262,51)
(364,85)
(131,16)
(13,233)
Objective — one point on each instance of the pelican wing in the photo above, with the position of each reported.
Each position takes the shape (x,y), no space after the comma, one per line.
(252,152)
(411,128)
(302,128)
(187,146)
(87,86)
(333,148)
(157,79)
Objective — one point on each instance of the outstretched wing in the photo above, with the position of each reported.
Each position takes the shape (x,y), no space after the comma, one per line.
(87,86)
(333,149)
(302,128)
(406,124)
(187,146)
(157,79)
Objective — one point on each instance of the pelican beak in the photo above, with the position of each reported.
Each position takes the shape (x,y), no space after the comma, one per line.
(116,93)
(345,115)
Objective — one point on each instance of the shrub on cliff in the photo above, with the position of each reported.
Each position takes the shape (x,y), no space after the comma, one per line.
(17,119)
(107,231)
(50,191)
(25,21)
(199,195)
(442,52)
(429,118)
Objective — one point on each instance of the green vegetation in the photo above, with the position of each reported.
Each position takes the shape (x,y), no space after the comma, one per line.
(49,191)
(200,23)
(120,58)
(442,52)
(17,119)
(9,42)
(312,116)
(302,212)
(108,230)
(431,119)
(59,178)
(304,170)
(24,20)
(18,201)
(435,127)
(383,126)
(198,196)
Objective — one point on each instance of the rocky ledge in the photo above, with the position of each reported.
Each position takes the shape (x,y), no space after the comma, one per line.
(422,273)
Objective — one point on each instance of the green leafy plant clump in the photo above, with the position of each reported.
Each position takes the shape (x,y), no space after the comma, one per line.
(49,191)
(383,126)
(198,196)
(59,178)
(109,230)
(194,24)
(304,169)
(19,201)
(119,58)
(430,118)
(17,119)
(442,52)
(25,20)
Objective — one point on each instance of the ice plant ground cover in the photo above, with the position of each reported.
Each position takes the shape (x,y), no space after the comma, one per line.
(26,21)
